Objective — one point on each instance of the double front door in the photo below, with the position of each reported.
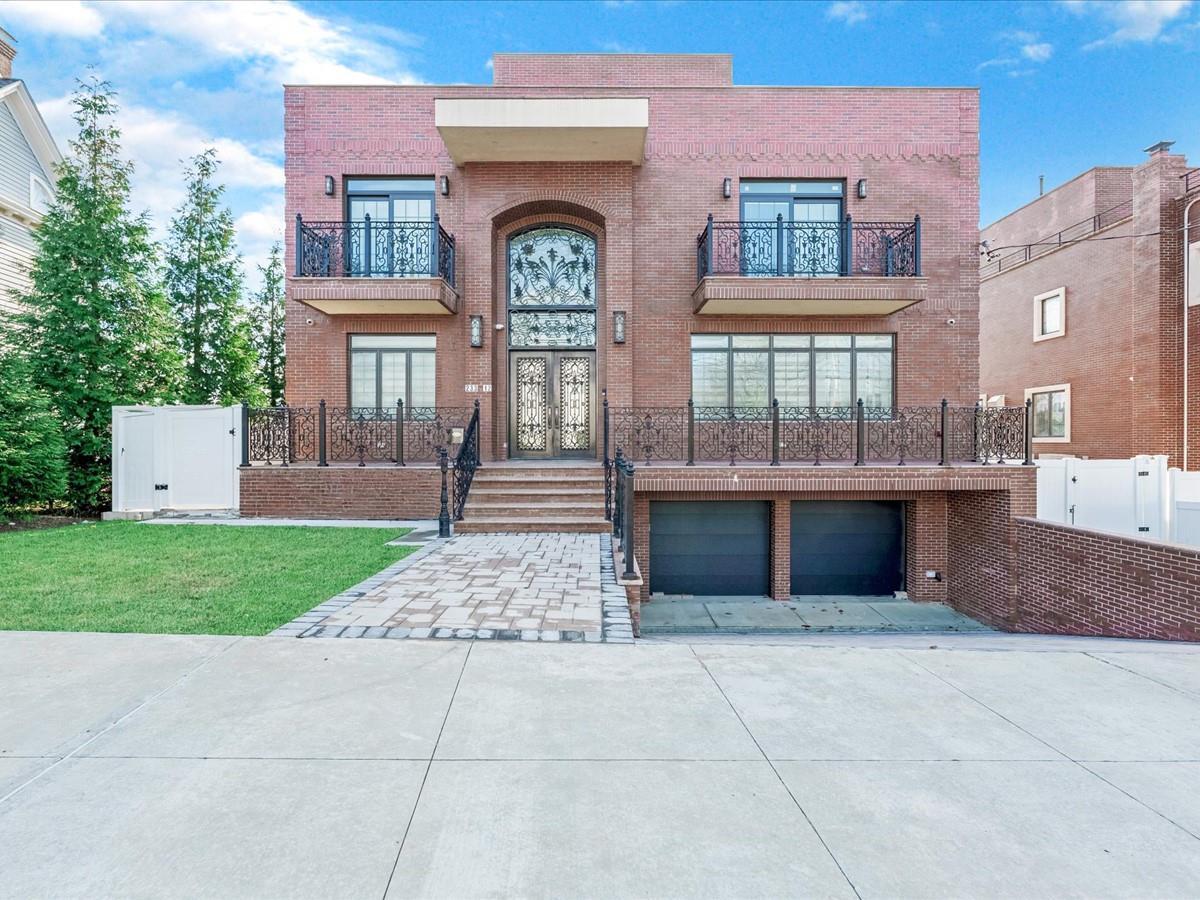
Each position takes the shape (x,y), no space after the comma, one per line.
(552,403)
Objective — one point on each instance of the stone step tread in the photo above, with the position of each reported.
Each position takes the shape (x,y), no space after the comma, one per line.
(491,490)
(474,502)
(485,475)
(499,526)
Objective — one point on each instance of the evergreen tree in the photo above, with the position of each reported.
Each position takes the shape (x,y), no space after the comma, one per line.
(98,326)
(33,463)
(204,285)
(267,319)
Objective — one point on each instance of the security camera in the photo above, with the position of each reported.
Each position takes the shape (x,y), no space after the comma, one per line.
(949,321)
(308,321)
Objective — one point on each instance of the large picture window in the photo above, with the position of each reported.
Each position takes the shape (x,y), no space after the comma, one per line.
(385,368)
(822,370)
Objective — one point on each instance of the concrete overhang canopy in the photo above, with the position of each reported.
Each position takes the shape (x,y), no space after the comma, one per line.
(555,129)
(733,295)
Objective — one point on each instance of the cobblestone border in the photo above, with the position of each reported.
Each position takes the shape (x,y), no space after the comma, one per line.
(616,626)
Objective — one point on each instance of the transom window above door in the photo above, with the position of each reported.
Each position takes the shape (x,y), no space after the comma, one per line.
(552,288)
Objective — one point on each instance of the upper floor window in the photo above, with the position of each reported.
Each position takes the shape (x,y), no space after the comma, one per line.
(1050,314)
(401,216)
(812,214)
(385,368)
(810,370)
(41,195)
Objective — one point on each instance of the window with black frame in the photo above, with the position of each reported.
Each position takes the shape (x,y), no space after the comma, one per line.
(810,216)
(399,240)
(826,371)
(385,368)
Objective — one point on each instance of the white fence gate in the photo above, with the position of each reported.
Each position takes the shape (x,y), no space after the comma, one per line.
(174,458)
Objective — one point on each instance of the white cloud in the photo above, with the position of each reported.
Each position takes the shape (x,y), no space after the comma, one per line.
(849,11)
(1134,21)
(62,17)
(1039,52)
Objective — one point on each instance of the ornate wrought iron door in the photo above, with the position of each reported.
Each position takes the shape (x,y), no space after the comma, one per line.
(552,404)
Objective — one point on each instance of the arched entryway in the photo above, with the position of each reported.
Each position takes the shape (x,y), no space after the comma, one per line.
(551,327)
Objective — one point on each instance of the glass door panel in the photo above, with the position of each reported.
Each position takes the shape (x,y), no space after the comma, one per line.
(530,412)
(760,239)
(379,209)
(552,404)
(816,237)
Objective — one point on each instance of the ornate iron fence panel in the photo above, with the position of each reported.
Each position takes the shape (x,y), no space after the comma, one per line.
(733,433)
(361,434)
(885,248)
(903,433)
(369,249)
(962,423)
(282,435)
(648,433)
(466,461)
(816,433)
(428,427)
(1001,433)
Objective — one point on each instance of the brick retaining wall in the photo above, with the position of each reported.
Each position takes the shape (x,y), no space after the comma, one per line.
(341,492)
(1078,581)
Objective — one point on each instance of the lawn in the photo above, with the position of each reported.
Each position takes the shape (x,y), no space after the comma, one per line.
(180,579)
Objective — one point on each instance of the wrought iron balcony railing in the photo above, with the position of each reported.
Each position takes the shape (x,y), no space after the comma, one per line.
(290,435)
(369,249)
(788,249)
(859,434)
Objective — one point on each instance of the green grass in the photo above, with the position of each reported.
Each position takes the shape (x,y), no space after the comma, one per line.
(180,579)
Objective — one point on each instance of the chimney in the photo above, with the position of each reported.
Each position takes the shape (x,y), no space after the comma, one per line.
(8,50)
(1159,149)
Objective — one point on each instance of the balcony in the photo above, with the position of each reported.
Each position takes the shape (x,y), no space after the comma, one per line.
(365,267)
(808,268)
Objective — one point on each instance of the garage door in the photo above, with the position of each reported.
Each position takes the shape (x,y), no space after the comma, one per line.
(709,547)
(847,547)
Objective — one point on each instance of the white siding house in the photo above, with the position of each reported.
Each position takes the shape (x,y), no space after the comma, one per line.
(28,157)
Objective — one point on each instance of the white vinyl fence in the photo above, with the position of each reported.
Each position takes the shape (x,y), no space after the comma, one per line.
(1139,497)
(174,458)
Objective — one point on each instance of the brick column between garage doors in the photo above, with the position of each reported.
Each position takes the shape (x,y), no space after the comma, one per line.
(781,549)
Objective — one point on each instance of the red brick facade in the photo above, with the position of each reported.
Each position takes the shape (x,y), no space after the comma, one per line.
(1122,349)
(340,492)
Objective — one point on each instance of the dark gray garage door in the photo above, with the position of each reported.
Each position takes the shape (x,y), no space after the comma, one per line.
(847,547)
(709,547)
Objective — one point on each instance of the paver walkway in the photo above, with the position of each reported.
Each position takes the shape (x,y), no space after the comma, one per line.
(546,586)
(994,766)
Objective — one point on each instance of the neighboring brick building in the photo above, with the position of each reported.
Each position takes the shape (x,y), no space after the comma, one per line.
(593,241)
(1081,305)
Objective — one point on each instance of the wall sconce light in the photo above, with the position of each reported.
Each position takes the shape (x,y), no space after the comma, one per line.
(727,188)
(619,327)
(476,331)
(862,188)
(444,185)
(328,185)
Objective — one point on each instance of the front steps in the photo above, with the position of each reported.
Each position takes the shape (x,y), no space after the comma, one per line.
(531,498)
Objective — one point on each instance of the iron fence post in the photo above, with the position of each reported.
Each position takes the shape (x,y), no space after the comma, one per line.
(708,246)
(366,254)
(975,432)
(604,405)
(287,435)
(1028,433)
(444,511)
(322,459)
(848,240)
(399,431)
(917,245)
(299,246)
(246,433)
(779,244)
(628,528)
(945,433)
(691,460)
(775,432)
(860,433)
(433,248)
(618,462)
(478,426)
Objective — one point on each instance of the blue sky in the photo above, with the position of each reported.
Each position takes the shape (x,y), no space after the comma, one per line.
(1065,85)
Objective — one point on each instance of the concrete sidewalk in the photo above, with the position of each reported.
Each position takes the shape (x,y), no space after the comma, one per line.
(989,766)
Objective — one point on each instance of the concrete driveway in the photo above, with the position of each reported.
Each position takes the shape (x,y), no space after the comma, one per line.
(989,766)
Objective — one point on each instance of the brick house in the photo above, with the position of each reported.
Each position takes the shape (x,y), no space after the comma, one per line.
(1081,307)
(760,295)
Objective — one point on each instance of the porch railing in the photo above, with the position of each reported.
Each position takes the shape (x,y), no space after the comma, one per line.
(861,435)
(367,249)
(782,249)
(465,463)
(621,511)
(289,435)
